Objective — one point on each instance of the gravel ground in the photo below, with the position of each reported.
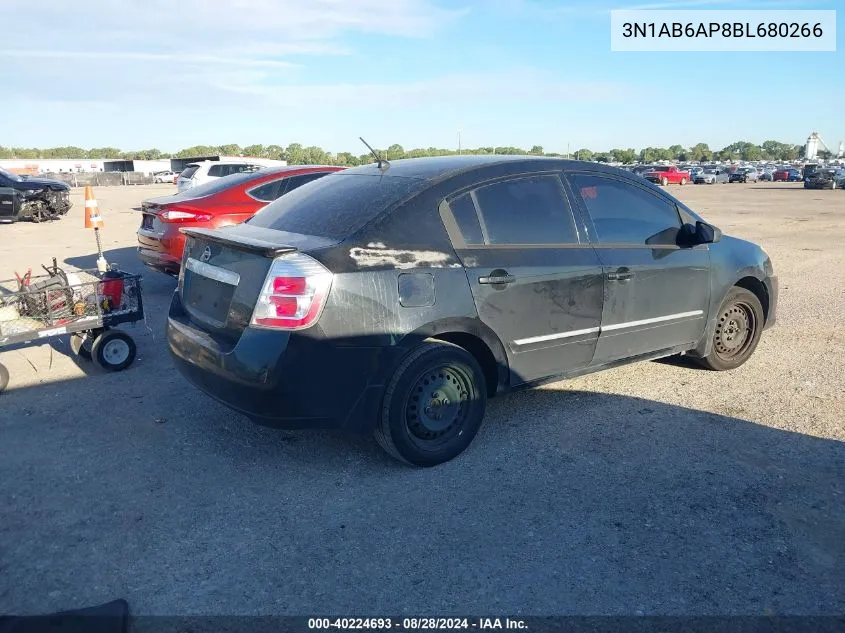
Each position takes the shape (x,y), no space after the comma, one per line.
(656,488)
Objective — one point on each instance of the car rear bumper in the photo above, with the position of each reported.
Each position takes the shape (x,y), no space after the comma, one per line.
(280,379)
(161,252)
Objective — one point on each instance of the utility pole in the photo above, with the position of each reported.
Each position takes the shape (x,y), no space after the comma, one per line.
(459,140)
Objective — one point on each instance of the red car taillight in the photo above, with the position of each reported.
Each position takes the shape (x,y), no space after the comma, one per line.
(294,293)
(178,215)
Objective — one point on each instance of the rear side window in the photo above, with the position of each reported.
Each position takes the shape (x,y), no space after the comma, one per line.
(217,170)
(336,205)
(626,214)
(189,171)
(530,210)
(295,182)
(269,191)
(466,217)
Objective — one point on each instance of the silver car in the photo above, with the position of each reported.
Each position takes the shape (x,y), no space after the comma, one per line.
(711,177)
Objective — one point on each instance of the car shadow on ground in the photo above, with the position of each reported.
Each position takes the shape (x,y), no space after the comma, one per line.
(567,501)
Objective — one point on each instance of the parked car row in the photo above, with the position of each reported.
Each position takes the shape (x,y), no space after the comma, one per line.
(397,298)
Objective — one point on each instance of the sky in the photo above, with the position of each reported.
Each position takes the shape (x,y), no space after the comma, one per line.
(169,75)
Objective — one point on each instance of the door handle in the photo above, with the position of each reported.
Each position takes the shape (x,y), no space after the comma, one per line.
(497,279)
(622,274)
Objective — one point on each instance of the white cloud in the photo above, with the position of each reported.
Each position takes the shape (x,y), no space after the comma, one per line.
(274,27)
(180,58)
(521,84)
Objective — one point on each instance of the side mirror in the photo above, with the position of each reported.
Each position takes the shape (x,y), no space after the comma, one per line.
(706,233)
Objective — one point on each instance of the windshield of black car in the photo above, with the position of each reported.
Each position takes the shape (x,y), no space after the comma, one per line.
(10,175)
(337,205)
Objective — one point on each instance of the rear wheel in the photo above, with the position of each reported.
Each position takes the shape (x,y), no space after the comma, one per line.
(664,181)
(737,331)
(113,350)
(433,406)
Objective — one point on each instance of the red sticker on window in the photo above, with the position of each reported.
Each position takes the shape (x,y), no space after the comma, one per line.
(589,193)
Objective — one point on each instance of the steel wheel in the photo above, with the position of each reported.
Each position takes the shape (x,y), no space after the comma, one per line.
(436,407)
(433,406)
(736,332)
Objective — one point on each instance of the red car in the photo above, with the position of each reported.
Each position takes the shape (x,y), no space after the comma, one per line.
(228,200)
(665,175)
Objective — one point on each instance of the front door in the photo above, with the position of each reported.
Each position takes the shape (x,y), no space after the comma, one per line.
(535,282)
(8,201)
(657,293)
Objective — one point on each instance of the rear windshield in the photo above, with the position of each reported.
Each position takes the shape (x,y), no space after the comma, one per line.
(335,206)
(660,169)
(219,184)
(189,171)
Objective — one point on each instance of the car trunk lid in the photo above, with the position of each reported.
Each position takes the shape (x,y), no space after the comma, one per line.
(224,270)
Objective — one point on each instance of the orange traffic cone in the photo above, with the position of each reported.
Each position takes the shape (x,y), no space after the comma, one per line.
(93,219)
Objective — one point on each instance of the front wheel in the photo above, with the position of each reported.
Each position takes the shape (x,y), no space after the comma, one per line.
(739,325)
(683,181)
(433,406)
(113,350)
(4,378)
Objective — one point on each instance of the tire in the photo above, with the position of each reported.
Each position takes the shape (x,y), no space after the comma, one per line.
(113,350)
(452,382)
(738,328)
(683,181)
(81,343)
(4,378)
(664,181)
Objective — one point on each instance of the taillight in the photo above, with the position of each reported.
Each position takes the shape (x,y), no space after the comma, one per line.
(174,215)
(294,293)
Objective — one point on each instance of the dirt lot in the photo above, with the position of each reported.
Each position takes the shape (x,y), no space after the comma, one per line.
(656,488)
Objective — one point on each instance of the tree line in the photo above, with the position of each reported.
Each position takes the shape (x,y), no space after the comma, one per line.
(296,154)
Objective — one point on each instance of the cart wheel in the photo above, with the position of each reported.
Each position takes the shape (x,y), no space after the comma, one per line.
(81,343)
(113,350)
(4,378)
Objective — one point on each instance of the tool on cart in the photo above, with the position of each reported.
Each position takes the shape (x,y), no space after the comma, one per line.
(93,220)
(84,304)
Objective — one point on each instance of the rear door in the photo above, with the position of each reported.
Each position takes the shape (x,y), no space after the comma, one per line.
(534,281)
(657,294)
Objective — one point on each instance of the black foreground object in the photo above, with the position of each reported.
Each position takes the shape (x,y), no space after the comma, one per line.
(111,617)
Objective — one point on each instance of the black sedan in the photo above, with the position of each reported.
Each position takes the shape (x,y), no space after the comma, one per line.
(36,199)
(823,179)
(397,298)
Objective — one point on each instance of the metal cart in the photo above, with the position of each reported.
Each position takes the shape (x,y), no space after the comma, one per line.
(84,304)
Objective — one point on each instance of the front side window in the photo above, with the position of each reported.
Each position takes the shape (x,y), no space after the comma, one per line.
(527,210)
(623,213)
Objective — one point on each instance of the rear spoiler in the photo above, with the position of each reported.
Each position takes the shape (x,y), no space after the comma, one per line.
(249,244)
